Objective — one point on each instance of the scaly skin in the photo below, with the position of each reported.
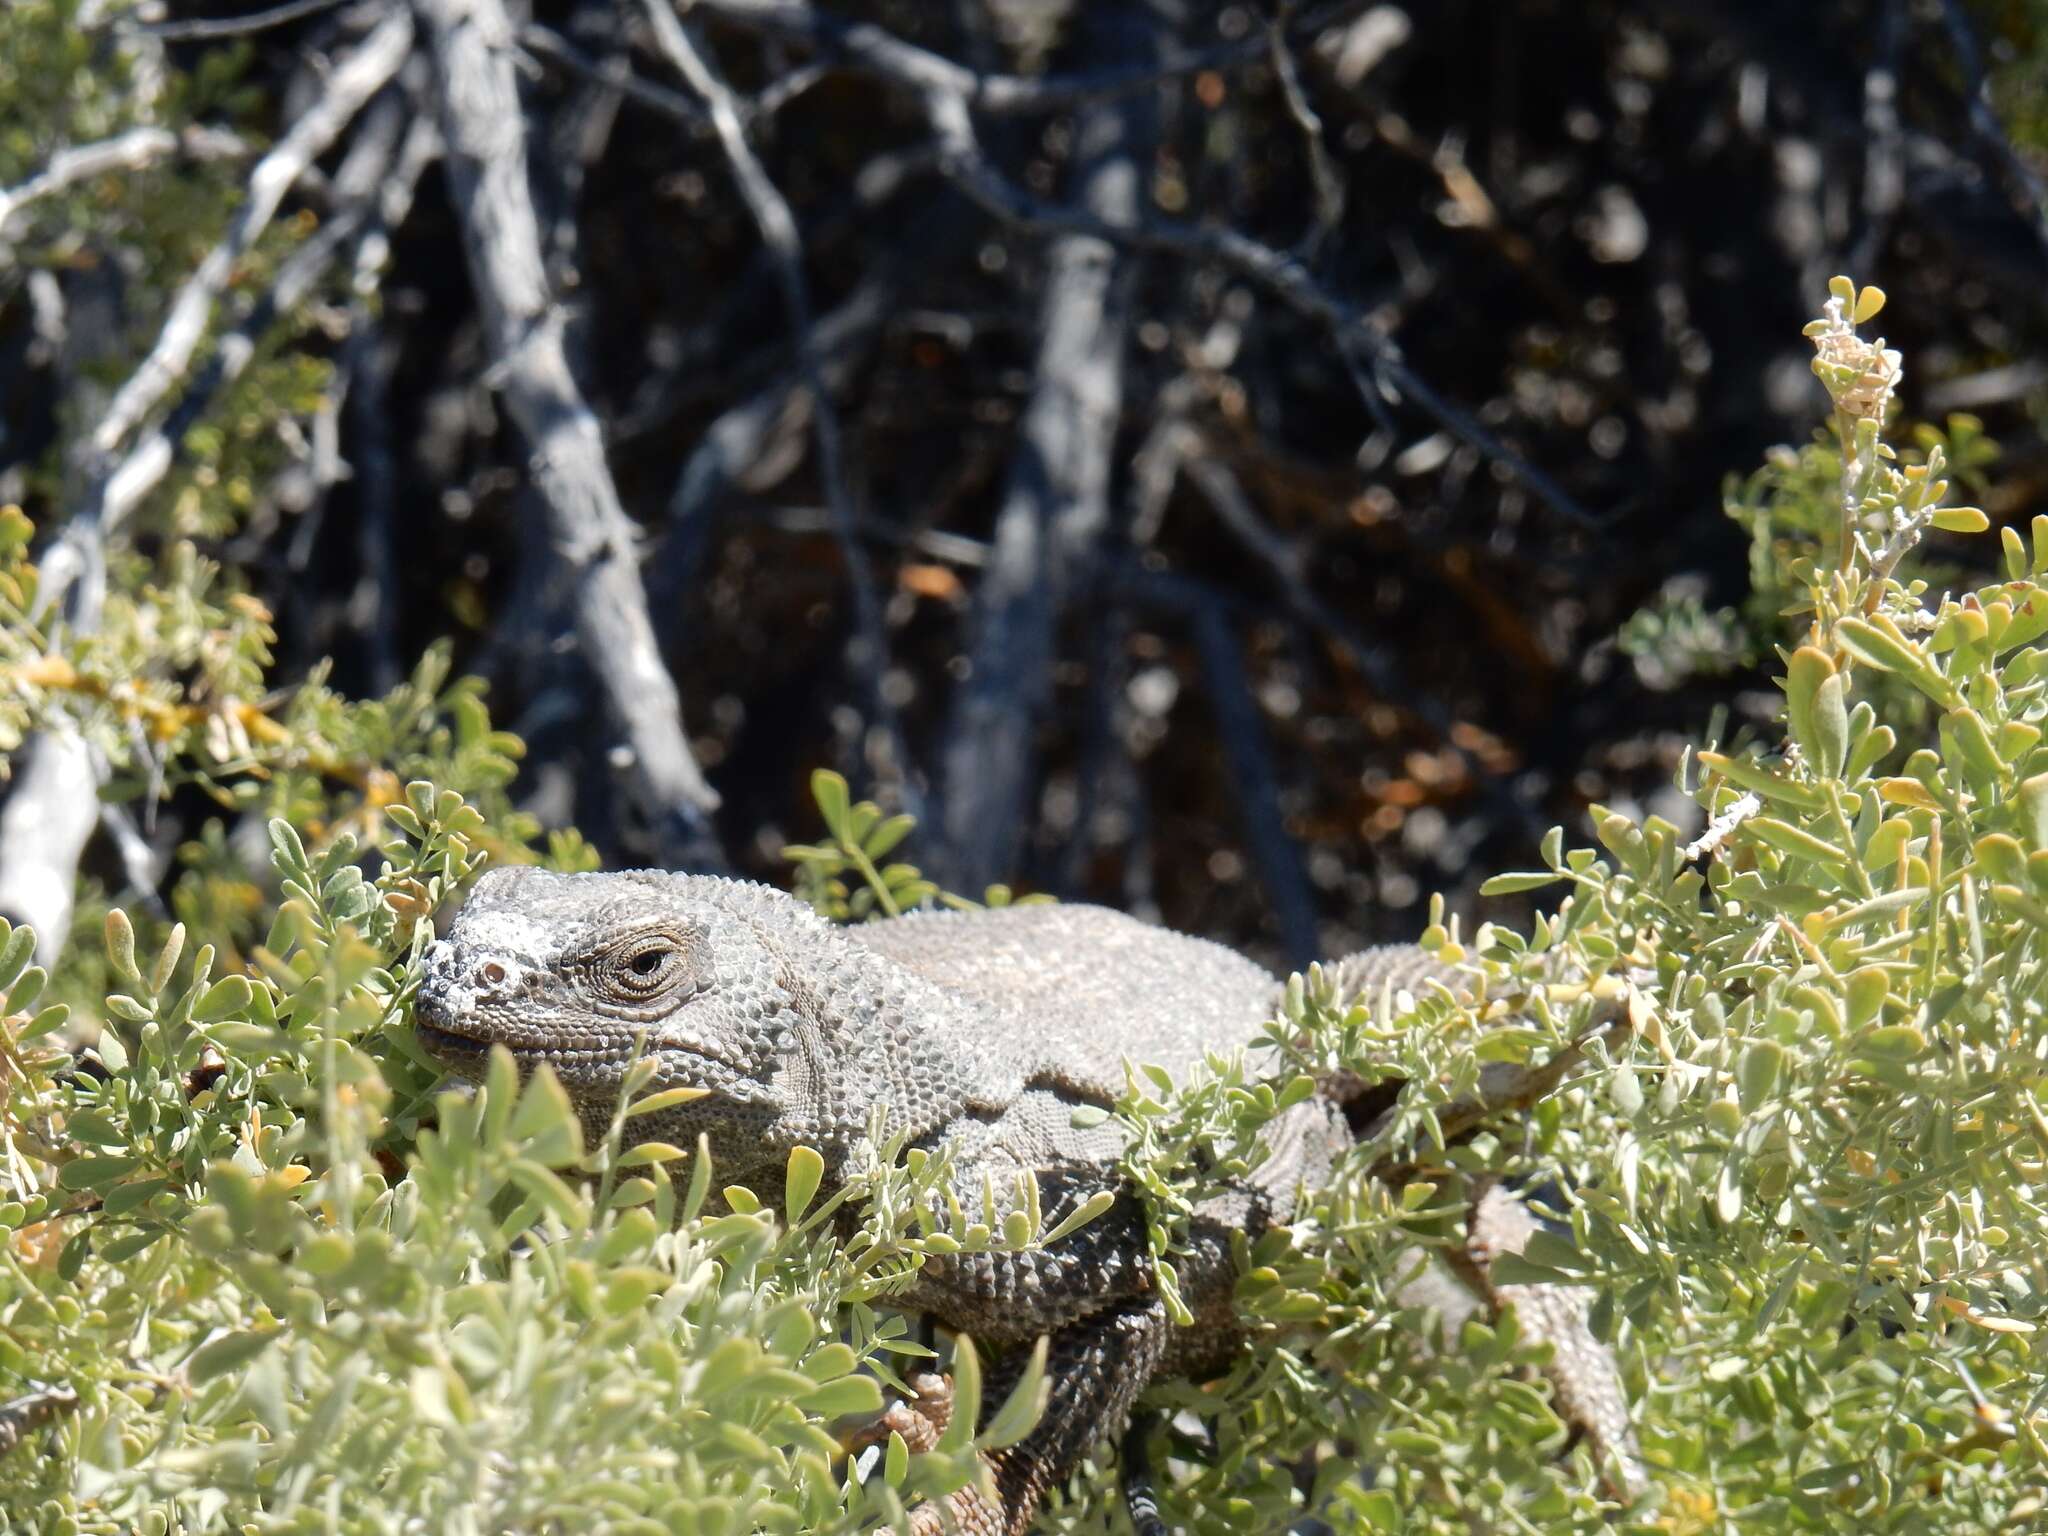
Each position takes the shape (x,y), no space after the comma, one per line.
(986,1029)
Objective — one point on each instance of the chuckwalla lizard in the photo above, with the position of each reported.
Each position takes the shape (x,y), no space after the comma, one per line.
(988,1028)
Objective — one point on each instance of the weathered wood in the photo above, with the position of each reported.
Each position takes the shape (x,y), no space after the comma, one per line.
(471,42)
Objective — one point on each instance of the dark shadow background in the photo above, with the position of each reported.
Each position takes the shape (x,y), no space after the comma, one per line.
(1319,658)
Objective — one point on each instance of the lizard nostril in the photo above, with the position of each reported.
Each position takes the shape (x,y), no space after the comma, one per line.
(493,974)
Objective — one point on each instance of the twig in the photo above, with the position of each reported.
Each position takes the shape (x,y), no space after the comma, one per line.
(1328,180)
(55,803)
(359,183)
(1288,564)
(372,604)
(937,83)
(1003,95)
(1255,787)
(229,26)
(932,543)
(744,436)
(487,172)
(1983,120)
(549,44)
(130,151)
(784,245)
(353,82)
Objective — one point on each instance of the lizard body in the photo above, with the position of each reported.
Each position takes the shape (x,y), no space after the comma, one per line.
(985,1030)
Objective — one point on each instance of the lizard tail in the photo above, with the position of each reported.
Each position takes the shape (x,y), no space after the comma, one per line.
(1584,1375)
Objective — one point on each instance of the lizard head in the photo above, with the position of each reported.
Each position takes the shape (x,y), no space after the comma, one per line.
(583,971)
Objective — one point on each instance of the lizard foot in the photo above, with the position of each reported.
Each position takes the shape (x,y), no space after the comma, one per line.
(919,1420)
(966,1513)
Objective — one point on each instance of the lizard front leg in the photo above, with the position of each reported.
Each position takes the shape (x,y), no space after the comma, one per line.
(1095,1369)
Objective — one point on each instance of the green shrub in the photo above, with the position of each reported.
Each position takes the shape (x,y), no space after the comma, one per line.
(258,1274)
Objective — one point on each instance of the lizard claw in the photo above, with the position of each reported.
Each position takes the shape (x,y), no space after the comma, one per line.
(920,1420)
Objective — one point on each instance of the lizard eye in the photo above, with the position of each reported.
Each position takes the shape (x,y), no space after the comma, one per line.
(646,968)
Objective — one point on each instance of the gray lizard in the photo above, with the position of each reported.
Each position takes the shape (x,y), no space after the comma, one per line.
(987,1029)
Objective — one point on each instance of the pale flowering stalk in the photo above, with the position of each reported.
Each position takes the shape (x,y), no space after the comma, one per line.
(1860,377)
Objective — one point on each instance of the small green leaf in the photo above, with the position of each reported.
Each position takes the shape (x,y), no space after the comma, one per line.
(959,1432)
(1762,1061)
(2015,549)
(834,802)
(1514,1269)
(1515,883)
(231,1350)
(228,996)
(1894,1042)
(1081,1215)
(668,1098)
(650,1152)
(121,947)
(16,953)
(847,1395)
(95,1172)
(545,1121)
(1021,1409)
(805,1170)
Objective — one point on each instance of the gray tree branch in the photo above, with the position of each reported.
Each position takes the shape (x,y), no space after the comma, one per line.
(1055,508)
(472,46)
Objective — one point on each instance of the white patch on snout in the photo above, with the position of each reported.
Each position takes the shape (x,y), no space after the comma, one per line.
(505,937)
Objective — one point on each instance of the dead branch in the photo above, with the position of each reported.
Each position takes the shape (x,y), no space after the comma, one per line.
(1055,508)
(1255,786)
(747,445)
(215,27)
(484,131)
(947,103)
(353,82)
(134,150)
(869,656)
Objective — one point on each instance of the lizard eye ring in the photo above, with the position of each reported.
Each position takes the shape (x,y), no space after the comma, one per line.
(644,968)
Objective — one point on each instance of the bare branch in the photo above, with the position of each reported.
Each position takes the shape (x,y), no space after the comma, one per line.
(50,812)
(1001,95)
(946,99)
(548,44)
(487,171)
(354,81)
(375,179)
(213,27)
(1055,508)
(1329,181)
(1255,787)
(134,150)
(1984,121)
(753,432)
(54,805)
(779,237)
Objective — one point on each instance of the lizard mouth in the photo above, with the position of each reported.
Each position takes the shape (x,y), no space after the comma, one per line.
(450,1044)
(465,1054)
